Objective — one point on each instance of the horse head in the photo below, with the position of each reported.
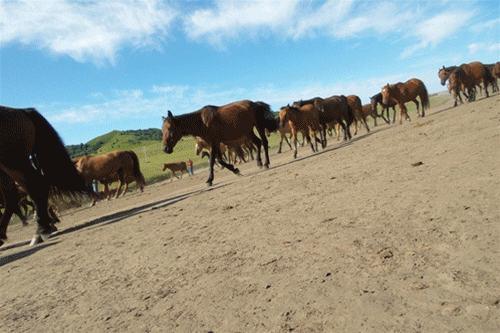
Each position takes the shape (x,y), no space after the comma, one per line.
(386,94)
(171,133)
(284,115)
(443,76)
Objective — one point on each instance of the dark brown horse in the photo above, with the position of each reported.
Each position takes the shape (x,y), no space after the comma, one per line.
(376,100)
(33,155)
(222,124)
(406,92)
(304,119)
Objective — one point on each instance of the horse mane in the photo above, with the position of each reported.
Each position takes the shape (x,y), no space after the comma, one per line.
(448,69)
(377,96)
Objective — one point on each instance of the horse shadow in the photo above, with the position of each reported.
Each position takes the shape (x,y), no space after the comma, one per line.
(23,254)
(333,148)
(101,221)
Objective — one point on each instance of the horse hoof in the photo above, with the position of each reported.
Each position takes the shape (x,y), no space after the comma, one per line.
(237,172)
(36,240)
(208,184)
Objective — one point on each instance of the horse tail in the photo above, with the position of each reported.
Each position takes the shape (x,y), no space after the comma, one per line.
(51,157)
(139,178)
(424,97)
(349,116)
(270,122)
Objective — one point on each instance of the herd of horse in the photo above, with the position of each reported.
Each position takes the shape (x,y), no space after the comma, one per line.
(34,163)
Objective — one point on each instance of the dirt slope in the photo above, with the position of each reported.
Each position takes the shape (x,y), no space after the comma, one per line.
(352,239)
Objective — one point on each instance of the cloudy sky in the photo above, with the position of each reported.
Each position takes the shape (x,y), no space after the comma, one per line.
(94,66)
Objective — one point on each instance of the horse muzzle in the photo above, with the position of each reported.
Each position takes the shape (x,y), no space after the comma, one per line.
(168,149)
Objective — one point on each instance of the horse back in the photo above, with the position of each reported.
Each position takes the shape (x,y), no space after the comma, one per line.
(101,166)
(177,166)
(231,121)
(17,132)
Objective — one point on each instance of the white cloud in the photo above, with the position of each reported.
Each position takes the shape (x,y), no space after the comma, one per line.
(491,24)
(494,47)
(230,18)
(434,30)
(86,31)
(475,47)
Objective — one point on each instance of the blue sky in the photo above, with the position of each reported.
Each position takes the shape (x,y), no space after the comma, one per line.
(94,66)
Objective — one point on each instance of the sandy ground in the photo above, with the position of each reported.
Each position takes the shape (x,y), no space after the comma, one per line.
(354,239)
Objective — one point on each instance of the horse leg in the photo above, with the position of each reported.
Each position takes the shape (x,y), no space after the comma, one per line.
(294,135)
(337,131)
(230,167)
(38,189)
(366,125)
(258,144)
(120,182)
(308,138)
(125,188)
(211,168)
(417,105)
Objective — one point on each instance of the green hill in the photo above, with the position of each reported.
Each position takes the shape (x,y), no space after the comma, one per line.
(116,140)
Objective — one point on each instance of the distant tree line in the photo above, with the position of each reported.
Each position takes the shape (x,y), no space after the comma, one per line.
(152,134)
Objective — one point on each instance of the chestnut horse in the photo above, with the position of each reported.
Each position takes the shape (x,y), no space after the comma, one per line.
(222,124)
(406,92)
(177,166)
(377,99)
(121,166)
(359,115)
(304,119)
(334,110)
(477,73)
(33,155)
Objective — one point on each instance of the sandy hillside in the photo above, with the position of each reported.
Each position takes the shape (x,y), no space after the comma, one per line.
(353,239)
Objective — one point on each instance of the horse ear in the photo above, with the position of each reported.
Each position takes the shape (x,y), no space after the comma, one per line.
(170,114)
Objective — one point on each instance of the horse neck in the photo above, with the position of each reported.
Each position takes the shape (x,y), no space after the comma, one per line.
(192,124)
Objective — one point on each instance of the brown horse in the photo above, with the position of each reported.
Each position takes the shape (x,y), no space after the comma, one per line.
(118,166)
(359,115)
(221,124)
(334,110)
(176,166)
(33,155)
(461,81)
(475,71)
(304,119)
(376,100)
(495,74)
(406,92)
